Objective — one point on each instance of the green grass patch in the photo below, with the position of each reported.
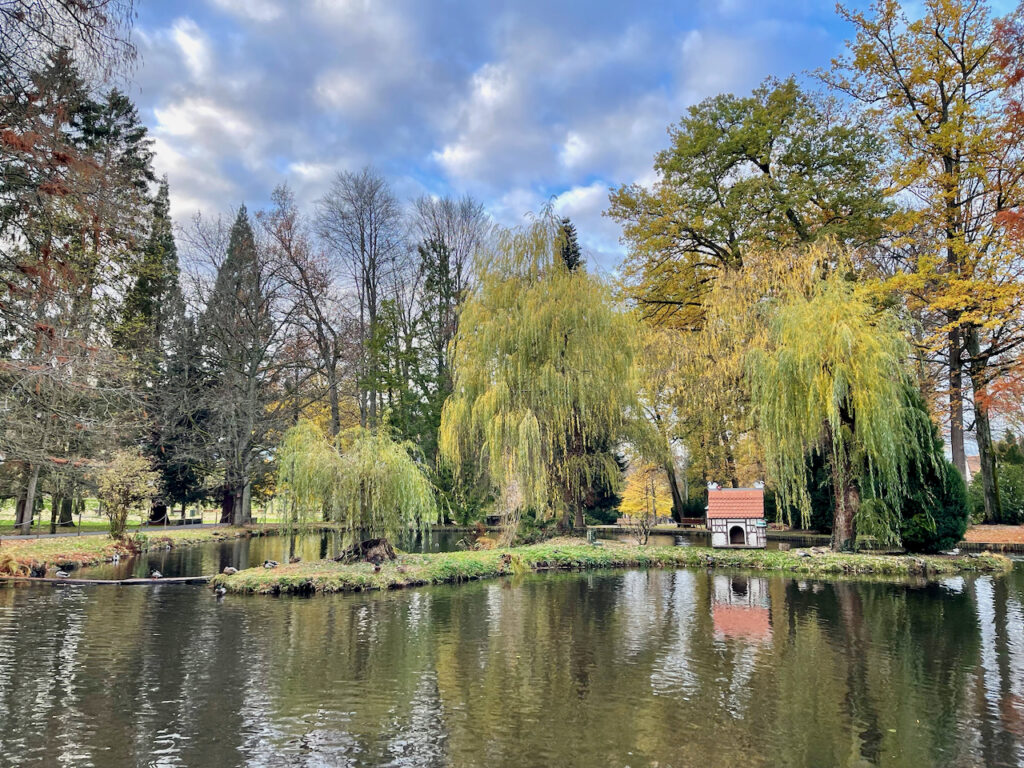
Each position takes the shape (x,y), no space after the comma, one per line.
(410,570)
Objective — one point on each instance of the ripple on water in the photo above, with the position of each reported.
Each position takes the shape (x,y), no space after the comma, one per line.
(612,668)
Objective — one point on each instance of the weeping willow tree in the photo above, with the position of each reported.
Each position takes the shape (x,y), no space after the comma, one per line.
(362,479)
(543,377)
(830,378)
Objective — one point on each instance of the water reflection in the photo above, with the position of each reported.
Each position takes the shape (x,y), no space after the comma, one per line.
(625,668)
(215,556)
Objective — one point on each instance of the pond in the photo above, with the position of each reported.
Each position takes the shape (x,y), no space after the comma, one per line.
(215,556)
(618,668)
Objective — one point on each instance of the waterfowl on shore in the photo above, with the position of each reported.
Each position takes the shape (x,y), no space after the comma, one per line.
(155,574)
(229,571)
(270,563)
(62,574)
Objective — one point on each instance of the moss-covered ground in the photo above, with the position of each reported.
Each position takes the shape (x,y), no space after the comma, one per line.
(410,570)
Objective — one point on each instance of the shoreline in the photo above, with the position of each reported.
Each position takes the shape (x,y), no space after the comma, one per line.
(18,557)
(413,570)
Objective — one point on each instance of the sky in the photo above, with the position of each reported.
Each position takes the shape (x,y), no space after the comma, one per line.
(516,103)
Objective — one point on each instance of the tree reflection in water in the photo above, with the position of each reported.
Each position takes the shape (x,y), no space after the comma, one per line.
(618,668)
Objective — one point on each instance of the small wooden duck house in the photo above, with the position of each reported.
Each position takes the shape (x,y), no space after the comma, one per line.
(736,518)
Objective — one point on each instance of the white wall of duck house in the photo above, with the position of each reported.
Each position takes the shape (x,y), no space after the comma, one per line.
(753,530)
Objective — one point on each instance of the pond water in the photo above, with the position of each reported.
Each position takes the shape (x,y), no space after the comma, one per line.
(215,556)
(619,668)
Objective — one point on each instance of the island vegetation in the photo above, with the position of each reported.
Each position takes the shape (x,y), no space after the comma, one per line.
(821,290)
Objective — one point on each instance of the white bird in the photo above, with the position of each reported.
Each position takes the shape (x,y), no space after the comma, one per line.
(220,591)
(154,574)
(62,574)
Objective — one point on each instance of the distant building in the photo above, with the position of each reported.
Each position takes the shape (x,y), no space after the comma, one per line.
(736,518)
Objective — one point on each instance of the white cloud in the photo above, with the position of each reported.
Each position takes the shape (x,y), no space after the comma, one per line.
(345,91)
(575,151)
(194,47)
(254,10)
(201,118)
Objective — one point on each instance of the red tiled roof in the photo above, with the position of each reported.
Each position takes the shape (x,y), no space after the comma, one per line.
(736,502)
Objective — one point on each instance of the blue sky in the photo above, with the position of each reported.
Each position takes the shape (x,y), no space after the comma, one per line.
(513,102)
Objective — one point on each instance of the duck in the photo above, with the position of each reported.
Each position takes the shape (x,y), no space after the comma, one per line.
(62,574)
(270,563)
(155,574)
(220,591)
(229,571)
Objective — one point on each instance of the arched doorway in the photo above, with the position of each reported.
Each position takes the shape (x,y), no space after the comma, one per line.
(737,536)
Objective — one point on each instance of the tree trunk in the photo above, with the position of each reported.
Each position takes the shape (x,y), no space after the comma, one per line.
(29,510)
(54,507)
(983,429)
(243,504)
(227,506)
(67,512)
(158,514)
(956,404)
(579,523)
(730,460)
(677,495)
(847,499)
(332,394)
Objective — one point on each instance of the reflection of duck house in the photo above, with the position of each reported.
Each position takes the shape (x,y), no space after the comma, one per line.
(740,608)
(736,518)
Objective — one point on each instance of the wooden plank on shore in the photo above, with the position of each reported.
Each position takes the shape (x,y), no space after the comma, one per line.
(122,582)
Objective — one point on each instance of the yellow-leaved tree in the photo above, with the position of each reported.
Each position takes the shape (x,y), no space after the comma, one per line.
(941,86)
(828,375)
(543,376)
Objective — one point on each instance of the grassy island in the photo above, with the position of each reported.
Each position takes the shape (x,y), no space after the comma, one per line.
(410,570)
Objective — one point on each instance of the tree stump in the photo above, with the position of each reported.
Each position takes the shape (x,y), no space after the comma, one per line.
(374,551)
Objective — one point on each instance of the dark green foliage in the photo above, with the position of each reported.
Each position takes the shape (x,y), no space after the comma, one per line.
(241,328)
(1011,494)
(934,507)
(1010,463)
(935,519)
(694,507)
(572,257)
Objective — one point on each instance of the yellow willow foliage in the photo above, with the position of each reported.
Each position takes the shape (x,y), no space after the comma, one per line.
(543,376)
(647,493)
(363,479)
(830,375)
(693,382)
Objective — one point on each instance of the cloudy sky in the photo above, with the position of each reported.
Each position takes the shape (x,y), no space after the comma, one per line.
(513,102)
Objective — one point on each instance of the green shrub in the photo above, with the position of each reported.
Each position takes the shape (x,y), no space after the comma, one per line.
(1010,478)
(935,512)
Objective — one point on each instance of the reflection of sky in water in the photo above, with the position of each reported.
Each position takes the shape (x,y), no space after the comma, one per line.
(604,668)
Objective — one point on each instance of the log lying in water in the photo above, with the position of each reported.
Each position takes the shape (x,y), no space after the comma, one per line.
(122,582)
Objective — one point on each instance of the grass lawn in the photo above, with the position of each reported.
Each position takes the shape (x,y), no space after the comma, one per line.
(94,520)
(569,554)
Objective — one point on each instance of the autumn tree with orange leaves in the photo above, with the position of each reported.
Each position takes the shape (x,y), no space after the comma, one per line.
(944,90)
